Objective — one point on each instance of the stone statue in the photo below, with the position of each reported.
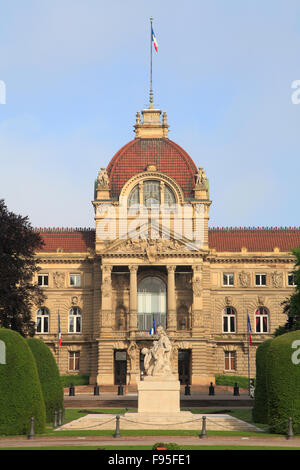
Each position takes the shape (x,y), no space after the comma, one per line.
(200,177)
(103,180)
(157,359)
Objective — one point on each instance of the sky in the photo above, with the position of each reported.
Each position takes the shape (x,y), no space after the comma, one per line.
(76,72)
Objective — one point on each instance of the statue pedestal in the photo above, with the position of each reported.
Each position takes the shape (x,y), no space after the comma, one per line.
(159,395)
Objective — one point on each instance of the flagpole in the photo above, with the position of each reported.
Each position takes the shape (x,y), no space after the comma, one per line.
(151,91)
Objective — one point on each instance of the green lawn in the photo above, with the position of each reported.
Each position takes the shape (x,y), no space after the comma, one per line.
(227,447)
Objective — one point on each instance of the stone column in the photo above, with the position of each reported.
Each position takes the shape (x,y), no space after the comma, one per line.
(171,316)
(106,307)
(133,324)
(197,309)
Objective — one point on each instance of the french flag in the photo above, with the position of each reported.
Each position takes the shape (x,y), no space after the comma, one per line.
(59,331)
(154,41)
(152,330)
(249,330)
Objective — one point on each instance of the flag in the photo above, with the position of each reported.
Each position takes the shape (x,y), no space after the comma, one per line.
(249,330)
(59,332)
(152,330)
(154,41)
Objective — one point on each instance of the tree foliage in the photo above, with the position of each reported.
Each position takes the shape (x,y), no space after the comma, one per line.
(18,244)
(291,305)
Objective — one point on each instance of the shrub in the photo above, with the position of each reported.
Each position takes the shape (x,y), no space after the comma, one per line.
(49,377)
(169,446)
(260,408)
(283,383)
(80,379)
(20,391)
(231,380)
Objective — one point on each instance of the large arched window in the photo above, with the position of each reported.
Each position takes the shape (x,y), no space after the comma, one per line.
(229,320)
(75,320)
(152,302)
(153,194)
(262,320)
(42,320)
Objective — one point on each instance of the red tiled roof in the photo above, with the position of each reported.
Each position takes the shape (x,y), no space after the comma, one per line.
(69,240)
(254,239)
(222,239)
(168,157)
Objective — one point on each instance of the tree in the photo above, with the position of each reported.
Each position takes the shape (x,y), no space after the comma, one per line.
(21,396)
(18,244)
(291,305)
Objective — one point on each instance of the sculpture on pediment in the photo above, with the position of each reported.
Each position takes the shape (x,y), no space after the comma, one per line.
(157,361)
(103,179)
(244,279)
(200,177)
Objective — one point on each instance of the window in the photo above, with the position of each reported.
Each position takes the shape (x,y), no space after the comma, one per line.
(74,360)
(75,280)
(75,320)
(260,279)
(230,360)
(291,279)
(43,280)
(42,320)
(153,193)
(152,302)
(228,279)
(229,315)
(261,320)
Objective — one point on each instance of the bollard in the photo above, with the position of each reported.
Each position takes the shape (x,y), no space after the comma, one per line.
(55,419)
(211,389)
(96,389)
(187,390)
(59,417)
(71,390)
(290,434)
(203,434)
(117,431)
(120,389)
(236,390)
(31,432)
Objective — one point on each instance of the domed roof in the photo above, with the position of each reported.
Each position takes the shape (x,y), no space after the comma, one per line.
(168,157)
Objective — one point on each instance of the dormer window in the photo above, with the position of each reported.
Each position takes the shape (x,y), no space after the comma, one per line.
(151,193)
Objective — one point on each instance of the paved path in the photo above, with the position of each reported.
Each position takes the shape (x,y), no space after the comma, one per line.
(103,441)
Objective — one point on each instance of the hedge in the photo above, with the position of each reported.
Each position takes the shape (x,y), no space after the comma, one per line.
(49,377)
(283,383)
(260,407)
(80,379)
(231,380)
(20,391)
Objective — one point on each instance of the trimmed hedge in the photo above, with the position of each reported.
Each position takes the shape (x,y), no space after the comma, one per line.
(80,379)
(49,377)
(260,408)
(20,391)
(283,383)
(231,380)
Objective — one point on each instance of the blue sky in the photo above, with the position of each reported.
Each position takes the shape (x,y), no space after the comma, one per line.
(76,72)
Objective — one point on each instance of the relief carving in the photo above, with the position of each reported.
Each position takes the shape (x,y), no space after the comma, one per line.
(59,279)
(277,279)
(197,286)
(244,279)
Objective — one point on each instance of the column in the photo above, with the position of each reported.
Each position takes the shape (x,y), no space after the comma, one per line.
(106,304)
(171,316)
(197,308)
(133,323)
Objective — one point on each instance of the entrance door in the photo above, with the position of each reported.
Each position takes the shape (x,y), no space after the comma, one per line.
(184,359)
(120,364)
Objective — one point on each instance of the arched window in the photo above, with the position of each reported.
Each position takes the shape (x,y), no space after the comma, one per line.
(134,197)
(42,320)
(153,194)
(152,300)
(261,320)
(229,320)
(75,320)
(169,197)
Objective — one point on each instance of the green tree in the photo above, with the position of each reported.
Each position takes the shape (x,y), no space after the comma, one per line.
(291,305)
(18,244)
(49,377)
(21,395)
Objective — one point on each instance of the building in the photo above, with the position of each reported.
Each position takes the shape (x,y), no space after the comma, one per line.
(152,259)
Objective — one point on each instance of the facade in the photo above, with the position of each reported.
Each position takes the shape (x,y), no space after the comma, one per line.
(152,259)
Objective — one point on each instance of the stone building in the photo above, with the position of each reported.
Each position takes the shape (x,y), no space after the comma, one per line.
(152,259)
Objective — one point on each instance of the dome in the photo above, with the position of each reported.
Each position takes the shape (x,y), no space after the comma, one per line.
(167,156)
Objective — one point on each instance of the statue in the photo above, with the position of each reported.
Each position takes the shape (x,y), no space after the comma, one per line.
(157,359)
(200,177)
(103,180)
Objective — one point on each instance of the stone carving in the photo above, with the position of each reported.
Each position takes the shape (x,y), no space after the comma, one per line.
(150,248)
(228,300)
(103,180)
(106,287)
(244,279)
(59,279)
(260,300)
(74,300)
(132,352)
(200,177)
(157,361)
(197,286)
(276,279)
